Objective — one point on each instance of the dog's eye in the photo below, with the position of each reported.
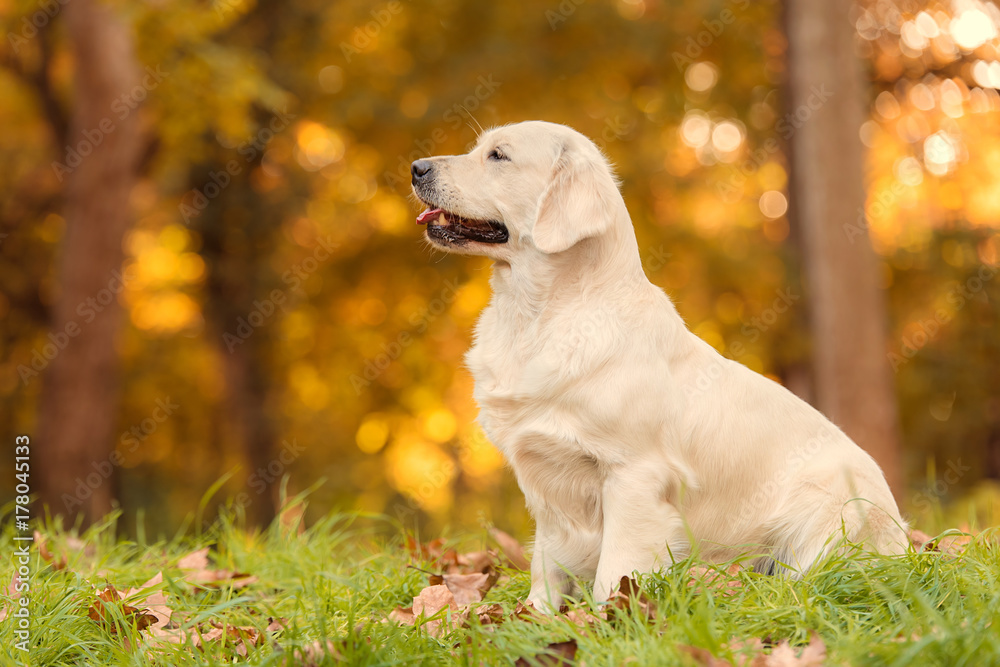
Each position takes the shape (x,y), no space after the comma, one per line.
(496,154)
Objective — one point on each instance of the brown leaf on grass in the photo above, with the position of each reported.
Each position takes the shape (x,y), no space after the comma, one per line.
(276,625)
(583,618)
(490,614)
(403,616)
(478,561)
(42,544)
(100,612)
(559,653)
(432,600)
(467,588)
(957,542)
(58,558)
(314,654)
(13,592)
(952,545)
(746,650)
(428,603)
(630,596)
(783,655)
(157,603)
(511,548)
(196,560)
(15,583)
(750,653)
(704,657)
(241,638)
(196,571)
(432,552)
(291,519)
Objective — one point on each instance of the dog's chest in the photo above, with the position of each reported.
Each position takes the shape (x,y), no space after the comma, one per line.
(537,397)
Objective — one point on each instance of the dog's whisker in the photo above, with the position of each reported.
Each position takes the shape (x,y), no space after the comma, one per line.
(478,132)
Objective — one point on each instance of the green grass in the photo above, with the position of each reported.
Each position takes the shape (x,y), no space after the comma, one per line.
(342,576)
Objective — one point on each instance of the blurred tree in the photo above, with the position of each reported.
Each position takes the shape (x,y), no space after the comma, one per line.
(828,96)
(80,397)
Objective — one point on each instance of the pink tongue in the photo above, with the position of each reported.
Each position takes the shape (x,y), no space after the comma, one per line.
(429,215)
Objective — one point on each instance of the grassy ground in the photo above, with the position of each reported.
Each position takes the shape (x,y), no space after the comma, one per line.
(321,596)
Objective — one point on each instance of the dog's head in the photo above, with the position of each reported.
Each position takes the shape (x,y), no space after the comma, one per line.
(533,186)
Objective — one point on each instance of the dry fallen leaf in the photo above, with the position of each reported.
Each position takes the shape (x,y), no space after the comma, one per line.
(100,613)
(511,548)
(291,519)
(276,625)
(196,560)
(314,654)
(704,657)
(467,588)
(403,616)
(57,562)
(428,603)
(478,561)
(783,655)
(431,552)
(560,653)
(241,638)
(814,655)
(630,596)
(59,558)
(157,603)
(583,618)
(196,571)
(951,545)
(490,614)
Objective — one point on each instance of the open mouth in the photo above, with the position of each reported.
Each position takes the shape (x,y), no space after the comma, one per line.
(452,228)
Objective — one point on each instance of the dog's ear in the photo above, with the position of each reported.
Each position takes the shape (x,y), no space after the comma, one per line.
(579,202)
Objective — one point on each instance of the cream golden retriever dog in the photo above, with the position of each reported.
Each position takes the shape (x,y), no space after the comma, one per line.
(633,440)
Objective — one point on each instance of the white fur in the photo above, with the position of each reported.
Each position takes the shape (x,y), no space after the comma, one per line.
(633,440)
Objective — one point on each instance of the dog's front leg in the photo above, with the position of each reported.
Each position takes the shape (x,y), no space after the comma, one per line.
(639,524)
(549,580)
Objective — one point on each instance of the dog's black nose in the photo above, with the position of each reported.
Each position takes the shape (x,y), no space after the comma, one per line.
(420,169)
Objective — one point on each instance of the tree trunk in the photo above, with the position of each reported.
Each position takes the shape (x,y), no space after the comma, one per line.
(829,99)
(79,402)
